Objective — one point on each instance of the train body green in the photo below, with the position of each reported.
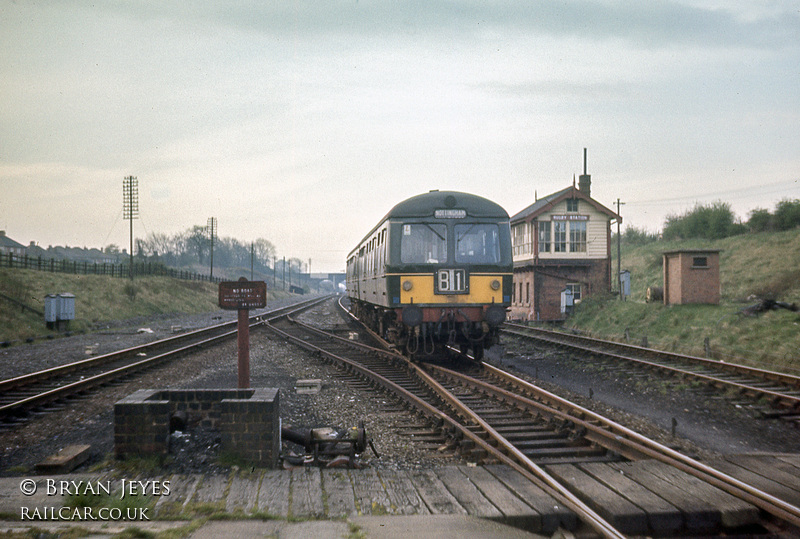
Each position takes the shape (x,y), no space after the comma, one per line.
(436,270)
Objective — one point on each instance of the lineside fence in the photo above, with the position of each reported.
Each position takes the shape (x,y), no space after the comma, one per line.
(84,267)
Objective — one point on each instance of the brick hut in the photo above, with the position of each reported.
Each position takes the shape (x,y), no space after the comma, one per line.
(691,276)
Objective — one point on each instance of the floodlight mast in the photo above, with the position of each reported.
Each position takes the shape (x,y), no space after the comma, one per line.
(130,209)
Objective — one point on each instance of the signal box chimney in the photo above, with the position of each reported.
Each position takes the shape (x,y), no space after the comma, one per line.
(585,180)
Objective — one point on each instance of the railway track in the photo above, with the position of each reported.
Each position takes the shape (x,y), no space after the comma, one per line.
(780,390)
(497,417)
(38,390)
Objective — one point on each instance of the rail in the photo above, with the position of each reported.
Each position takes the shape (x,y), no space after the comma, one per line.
(671,362)
(36,388)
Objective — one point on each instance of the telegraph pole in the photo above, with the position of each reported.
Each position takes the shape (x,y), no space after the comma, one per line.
(130,208)
(619,250)
(212,232)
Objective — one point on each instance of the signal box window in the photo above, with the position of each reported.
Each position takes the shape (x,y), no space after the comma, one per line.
(477,244)
(572,204)
(576,291)
(423,244)
(560,236)
(577,236)
(544,237)
(699,262)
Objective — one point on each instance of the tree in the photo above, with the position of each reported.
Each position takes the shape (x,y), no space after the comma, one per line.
(196,242)
(760,221)
(264,252)
(787,214)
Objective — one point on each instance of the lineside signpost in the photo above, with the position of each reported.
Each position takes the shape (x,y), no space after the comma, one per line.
(243,295)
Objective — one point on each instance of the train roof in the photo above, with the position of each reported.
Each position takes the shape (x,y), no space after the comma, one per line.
(426,204)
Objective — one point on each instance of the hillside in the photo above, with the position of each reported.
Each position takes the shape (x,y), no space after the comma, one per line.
(752,266)
(98,299)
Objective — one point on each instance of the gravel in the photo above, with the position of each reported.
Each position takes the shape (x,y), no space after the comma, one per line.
(705,423)
(273,363)
(706,426)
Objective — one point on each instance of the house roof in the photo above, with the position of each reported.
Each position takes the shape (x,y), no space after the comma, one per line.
(546,203)
(8,243)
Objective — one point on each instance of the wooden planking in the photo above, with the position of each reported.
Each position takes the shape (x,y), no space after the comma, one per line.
(733,511)
(552,513)
(370,496)
(614,508)
(699,516)
(273,496)
(759,481)
(435,494)
(181,491)
(66,460)
(514,511)
(340,498)
(243,492)
(467,494)
(212,489)
(773,467)
(403,496)
(790,458)
(662,516)
(306,488)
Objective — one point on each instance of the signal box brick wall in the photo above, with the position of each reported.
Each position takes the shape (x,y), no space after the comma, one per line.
(691,276)
(542,286)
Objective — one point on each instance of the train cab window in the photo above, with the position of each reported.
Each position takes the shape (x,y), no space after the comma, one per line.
(477,244)
(423,243)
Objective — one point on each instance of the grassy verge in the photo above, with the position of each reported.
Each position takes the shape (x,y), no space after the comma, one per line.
(751,266)
(97,299)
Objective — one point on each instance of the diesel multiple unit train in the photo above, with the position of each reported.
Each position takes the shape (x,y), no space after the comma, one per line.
(435,272)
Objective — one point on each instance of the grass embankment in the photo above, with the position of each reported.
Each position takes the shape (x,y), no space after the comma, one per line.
(752,267)
(97,299)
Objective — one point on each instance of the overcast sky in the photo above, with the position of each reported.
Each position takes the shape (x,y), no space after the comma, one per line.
(305,122)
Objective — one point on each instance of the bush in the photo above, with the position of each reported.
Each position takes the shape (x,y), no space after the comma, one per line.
(634,236)
(131,290)
(787,214)
(708,222)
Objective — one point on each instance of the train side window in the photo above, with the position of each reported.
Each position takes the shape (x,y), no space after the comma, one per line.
(423,244)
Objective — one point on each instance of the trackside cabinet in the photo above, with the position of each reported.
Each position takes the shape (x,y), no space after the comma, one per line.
(59,309)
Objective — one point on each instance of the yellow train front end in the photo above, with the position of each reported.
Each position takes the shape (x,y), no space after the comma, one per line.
(468,319)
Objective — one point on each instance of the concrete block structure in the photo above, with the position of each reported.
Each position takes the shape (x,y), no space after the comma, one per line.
(691,276)
(248,421)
